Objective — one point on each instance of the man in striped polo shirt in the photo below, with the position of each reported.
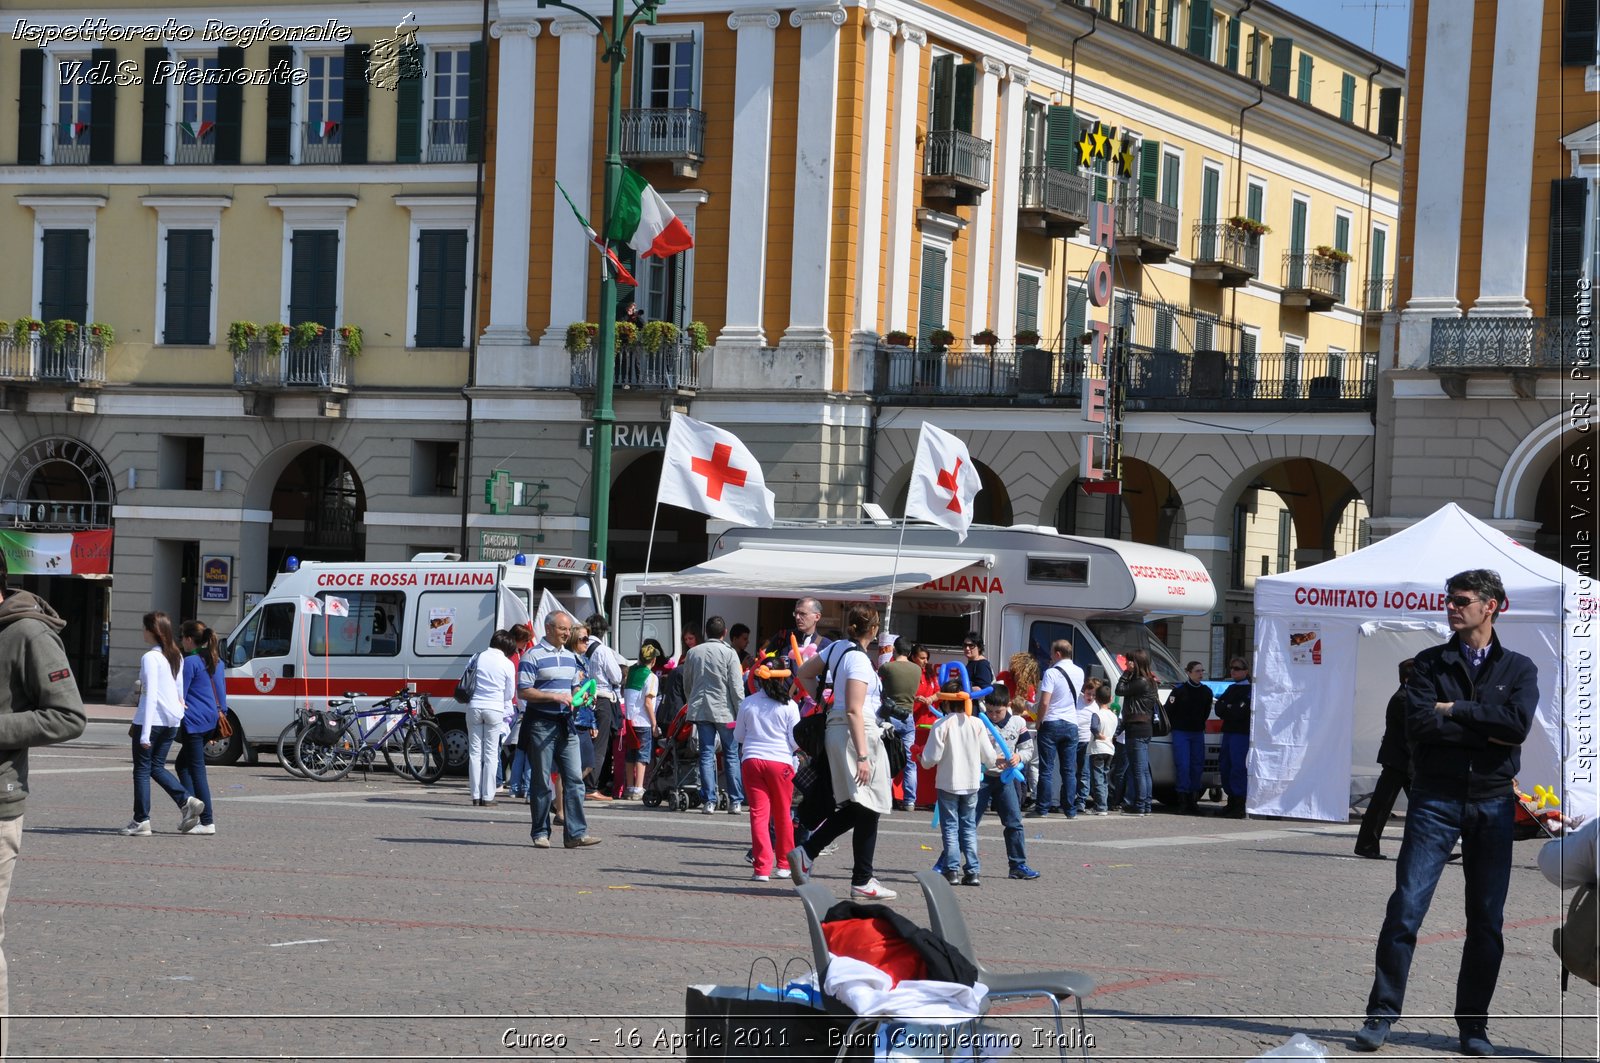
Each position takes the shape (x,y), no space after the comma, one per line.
(545,680)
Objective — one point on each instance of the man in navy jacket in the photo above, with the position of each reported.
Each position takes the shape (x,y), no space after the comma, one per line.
(1470,706)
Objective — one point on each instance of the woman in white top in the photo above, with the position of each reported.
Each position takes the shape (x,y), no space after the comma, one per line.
(493,698)
(857,764)
(763,730)
(155,724)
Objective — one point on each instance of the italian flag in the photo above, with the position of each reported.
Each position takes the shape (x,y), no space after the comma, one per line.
(642,220)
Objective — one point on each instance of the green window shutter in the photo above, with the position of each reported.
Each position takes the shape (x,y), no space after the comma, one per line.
(1210,185)
(64,291)
(1375,271)
(1568,216)
(1341,232)
(30,108)
(1303,89)
(1578,30)
(188,282)
(408,119)
(1233,44)
(441,287)
(942,93)
(1200,28)
(1027,302)
(230,110)
(1253,202)
(353,133)
(153,113)
(314,277)
(1297,227)
(1150,17)
(1282,60)
(1150,169)
(1077,312)
(1389,113)
(1347,97)
(1061,136)
(930,310)
(966,85)
(103,111)
(1171,180)
(280,103)
(477,92)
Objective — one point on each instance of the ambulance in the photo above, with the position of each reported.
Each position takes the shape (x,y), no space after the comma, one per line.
(1020,588)
(373,628)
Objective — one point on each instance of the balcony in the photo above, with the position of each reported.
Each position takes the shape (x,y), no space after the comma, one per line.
(320,149)
(194,154)
(70,152)
(447,139)
(672,367)
(1054,202)
(71,362)
(1225,256)
(665,134)
(1379,297)
(1524,348)
(1300,381)
(1146,228)
(1311,281)
(955,167)
(321,365)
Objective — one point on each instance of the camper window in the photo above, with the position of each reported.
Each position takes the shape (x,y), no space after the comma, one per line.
(368,630)
(1072,571)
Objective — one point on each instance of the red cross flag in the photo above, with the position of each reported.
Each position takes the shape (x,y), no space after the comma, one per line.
(943,482)
(709,470)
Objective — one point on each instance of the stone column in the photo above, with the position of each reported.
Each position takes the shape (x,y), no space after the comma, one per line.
(1194,639)
(1006,194)
(1503,275)
(1436,240)
(572,259)
(503,357)
(878,32)
(903,174)
(752,173)
(979,236)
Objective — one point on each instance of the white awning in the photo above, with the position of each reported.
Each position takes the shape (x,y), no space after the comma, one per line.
(768,572)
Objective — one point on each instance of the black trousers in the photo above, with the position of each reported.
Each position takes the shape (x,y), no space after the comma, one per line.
(605,724)
(1390,782)
(849,816)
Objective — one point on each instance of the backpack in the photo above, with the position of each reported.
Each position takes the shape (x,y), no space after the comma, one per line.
(467,685)
(1577,941)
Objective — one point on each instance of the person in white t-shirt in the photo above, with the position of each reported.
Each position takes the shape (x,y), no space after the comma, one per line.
(640,689)
(1060,691)
(763,730)
(493,698)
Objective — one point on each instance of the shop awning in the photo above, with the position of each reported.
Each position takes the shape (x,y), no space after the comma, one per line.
(781,572)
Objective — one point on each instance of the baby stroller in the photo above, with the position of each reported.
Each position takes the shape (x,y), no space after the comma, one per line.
(673,778)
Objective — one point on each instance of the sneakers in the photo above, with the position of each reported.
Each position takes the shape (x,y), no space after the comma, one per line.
(139,828)
(759,877)
(873,891)
(1476,1043)
(750,856)
(708,808)
(1023,871)
(782,872)
(829,850)
(953,877)
(541,842)
(905,806)
(736,808)
(193,809)
(581,843)
(800,864)
(205,828)
(1103,812)
(1373,1033)
(970,879)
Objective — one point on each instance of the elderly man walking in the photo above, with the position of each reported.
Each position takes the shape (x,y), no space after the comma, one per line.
(545,679)
(715,687)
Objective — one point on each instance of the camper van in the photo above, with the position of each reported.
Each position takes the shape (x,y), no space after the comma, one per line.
(1022,587)
(403,623)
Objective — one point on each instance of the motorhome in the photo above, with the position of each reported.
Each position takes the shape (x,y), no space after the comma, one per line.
(1020,587)
(391,625)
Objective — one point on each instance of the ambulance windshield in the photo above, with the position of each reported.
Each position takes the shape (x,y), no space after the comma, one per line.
(1122,637)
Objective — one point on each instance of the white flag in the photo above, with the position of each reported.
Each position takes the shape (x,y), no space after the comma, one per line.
(336,606)
(310,606)
(548,603)
(943,482)
(709,470)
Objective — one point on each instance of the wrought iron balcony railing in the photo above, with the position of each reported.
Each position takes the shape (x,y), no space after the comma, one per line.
(673,134)
(1311,280)
(1379,298)
(1054,200)
(1505,343)
(75,361)
(319,148)
(949,155)
(1146,227)
(447,139)
(322,364)
(671,367)
(1225,255)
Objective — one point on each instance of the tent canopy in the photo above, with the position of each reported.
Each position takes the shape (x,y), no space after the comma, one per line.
(759,571)
(1328,638)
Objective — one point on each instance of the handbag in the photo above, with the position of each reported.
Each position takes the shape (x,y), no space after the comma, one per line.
(894,750)
(224,728)
(1160,726)
(757,1023)
(809,734)
(467,685)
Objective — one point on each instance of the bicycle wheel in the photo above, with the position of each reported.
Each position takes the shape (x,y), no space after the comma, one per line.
(286,743)
(422,752)
(328,763)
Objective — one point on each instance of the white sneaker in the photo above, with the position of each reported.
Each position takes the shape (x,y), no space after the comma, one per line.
(736,808)
(139,828)
(707,809)
(760,878)
(205,828)
(193,809)
(782,872)
(874,891)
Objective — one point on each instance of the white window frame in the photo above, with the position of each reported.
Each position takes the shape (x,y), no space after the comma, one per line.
(53,60)
(1038,276)
(1169,151)
(301,107)
(431,45)
(186,212)
(696,31)
(436,212)
(169,140)
(1300,197)
(948,247)
(62,212)
(1253,181)
(1174,27)
(312,212)
(1221,170)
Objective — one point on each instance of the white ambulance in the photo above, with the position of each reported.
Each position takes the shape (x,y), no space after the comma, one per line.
(1020,588)
(403,623)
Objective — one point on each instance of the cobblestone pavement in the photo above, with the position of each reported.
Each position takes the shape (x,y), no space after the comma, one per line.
(379,919)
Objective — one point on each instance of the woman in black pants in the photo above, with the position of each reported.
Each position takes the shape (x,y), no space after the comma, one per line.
(857,765)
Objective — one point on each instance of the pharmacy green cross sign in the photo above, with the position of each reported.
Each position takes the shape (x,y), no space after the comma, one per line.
(497,492)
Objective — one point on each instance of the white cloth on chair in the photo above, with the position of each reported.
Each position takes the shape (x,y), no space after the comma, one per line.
(867,990)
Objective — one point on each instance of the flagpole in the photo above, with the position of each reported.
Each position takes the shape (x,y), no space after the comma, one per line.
(894,574)
(650,544)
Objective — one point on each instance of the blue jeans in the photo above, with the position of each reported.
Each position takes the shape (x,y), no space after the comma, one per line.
(1138,792)
(1189,760)
(1082,764)
(710,734)
(1235,750)
(1058,745)
(152,764)
(906,729)
(1099,780)
(521,772)
(1008,806)
(958,822)
(553,743)
(1433,824)
(1119,774)
(192,769)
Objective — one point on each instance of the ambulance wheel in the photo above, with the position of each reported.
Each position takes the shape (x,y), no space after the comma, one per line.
(227,750)
(454,726)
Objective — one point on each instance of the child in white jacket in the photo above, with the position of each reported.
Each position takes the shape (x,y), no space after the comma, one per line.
(958,748)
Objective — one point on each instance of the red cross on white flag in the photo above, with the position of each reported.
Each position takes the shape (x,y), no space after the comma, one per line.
(943,482)
(707,469)
(336,606)
(310,606)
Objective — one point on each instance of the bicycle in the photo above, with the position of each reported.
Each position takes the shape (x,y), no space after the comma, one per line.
(290,735)
(402,729)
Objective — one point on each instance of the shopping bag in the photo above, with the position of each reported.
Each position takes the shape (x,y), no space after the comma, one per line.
(750,1025)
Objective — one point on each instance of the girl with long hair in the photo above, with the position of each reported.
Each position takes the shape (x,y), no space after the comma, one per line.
(1137,689)
(155,724)
(640,688)
(204,701)
(764,732)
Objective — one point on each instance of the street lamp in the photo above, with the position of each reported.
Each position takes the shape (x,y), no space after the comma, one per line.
(613,51)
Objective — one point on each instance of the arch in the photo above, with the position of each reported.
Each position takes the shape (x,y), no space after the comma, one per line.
(317,503)
(992,506)
(1563,510)
(58,482)
(1152,508)
(680,535)
(1517,493)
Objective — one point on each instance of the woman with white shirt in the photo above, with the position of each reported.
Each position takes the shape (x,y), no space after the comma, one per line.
(155,724)
(857,764)
(763,730)
(493,698)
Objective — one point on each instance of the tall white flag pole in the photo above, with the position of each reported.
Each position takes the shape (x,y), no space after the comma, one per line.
(894,574)
(651,544)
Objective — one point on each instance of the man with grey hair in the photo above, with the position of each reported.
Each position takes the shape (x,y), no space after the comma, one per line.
(545,679)
(807,611)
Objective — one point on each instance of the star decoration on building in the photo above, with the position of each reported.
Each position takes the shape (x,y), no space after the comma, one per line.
(1085,149)
(1125,158)
(1102,136)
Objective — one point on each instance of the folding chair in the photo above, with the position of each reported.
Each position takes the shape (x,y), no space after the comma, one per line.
(946,920)
(816,899)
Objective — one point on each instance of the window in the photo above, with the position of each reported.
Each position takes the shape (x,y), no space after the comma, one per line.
(434,465)
(370,630)
(1042,634)
(1298,210)
(1285,537)
(666,73)
(72,122)
(1303,89)
(1336,368)
(197,114)
(1069,570)
(1377,298)
(441,288)
(269,632)
(1255,200)
(450,82)
(1210,194)
(1035,129)
(931,310)
(1174,26)
(188,287)
(1171,178)
(1341,241)
(180,463)
(324,109)
(64,289)
(314,277)
(950,90)
(1077,315)
(660,282)
(1292,349)
(1347,97)
(1028,284)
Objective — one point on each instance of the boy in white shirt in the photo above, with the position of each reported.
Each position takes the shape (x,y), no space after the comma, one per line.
(1001,793)
(958,748)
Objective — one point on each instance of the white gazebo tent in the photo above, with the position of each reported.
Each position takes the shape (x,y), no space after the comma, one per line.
(1329,639)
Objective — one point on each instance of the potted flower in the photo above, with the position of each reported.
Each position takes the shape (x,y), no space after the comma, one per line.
(627,334)
(897,338)
(940,338)
(59,331)
(657,335)
(986,337)
(699,336)
(101,333)
(1333,254)
(307,332)
(240,335)
(277,334)
(580,334)
(24,329)
(1248,225)
(1027,337)
(351,337)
